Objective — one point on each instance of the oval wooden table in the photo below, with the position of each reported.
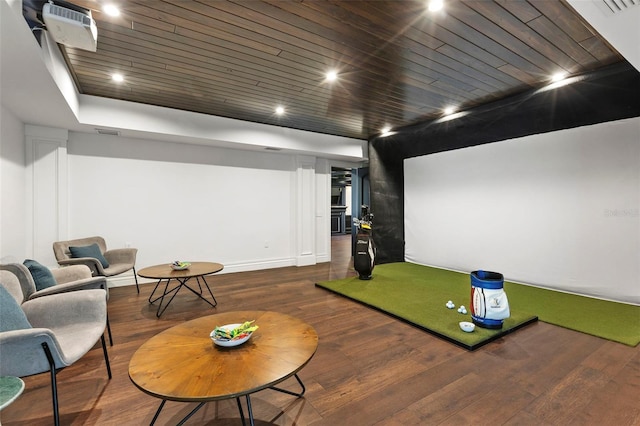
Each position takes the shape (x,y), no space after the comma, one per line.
(183,364)
(197,270)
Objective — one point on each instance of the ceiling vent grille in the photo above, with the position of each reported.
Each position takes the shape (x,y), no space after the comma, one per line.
(109,132)
(71,15)
(613,7)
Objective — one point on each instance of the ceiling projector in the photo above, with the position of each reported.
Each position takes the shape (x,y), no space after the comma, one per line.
(71,27)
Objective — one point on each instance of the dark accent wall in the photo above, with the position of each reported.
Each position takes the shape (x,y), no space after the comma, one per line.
(387,202)
(609,94)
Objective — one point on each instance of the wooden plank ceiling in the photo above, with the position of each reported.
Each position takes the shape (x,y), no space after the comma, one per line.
(397,63)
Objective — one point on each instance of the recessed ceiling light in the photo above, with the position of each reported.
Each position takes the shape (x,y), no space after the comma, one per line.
(279,110)
(452,116)
(118,78)
(560,83)
(111,10)
(435,5)
(449,110)
(332,75)
(386,131)
(559,76)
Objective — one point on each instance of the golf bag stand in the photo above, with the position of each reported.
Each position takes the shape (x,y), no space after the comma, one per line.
(365,251)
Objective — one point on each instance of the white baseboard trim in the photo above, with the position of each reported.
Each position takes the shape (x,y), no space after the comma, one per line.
(259,265)
(306,260)
(128,278)
(123,280)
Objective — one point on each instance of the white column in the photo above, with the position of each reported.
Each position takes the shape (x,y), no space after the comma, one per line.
(305,211)
(323,210)
(47,190)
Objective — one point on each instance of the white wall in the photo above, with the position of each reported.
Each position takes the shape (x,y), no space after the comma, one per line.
(559,210)
(12,188)
(182,202)
(173,201)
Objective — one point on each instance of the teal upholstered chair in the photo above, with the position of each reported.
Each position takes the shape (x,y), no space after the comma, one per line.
(102,262)
(48,333)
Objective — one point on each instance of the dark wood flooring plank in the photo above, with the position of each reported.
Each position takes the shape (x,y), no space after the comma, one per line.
(370,369)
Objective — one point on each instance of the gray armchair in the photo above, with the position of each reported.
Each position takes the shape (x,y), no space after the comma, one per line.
(118,260)
(48,333)
(71,278)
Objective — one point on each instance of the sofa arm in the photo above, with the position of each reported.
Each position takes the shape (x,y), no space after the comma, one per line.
(71,273)
(121,255)
(94,264)
(64,309)
(22,353)
(99,283)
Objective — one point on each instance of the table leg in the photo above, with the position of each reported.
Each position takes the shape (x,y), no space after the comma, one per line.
(183,283)
(155,417)
(249,410)
(200,294)
(190,414)
(248,397)
(165,293)
(210,292)
(154,290)
(299,394)
(184,419)
(241,411)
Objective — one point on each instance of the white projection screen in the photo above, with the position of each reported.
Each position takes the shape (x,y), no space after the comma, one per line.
(557,210)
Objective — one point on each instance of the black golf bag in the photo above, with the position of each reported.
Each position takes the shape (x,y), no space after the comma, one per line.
(364,257)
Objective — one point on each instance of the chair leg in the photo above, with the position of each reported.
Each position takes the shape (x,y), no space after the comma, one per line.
(109,331)
(54,385)
(106,355)
(135,275)
(106,288)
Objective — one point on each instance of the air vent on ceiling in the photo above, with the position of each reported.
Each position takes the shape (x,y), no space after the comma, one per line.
(272,148)
(611,7)
(109,132)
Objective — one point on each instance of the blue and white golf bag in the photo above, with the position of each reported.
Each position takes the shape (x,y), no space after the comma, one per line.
(489,303)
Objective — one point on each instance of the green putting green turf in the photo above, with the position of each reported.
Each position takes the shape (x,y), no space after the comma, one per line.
(418,294)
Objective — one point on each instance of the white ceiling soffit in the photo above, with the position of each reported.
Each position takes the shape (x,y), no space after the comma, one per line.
(33,86)
(27,86)
(618,21)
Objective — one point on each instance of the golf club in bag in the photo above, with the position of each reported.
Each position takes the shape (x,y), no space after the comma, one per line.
(364,257)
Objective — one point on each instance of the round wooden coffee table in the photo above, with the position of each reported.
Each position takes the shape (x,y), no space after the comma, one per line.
(183,364)
(163,272)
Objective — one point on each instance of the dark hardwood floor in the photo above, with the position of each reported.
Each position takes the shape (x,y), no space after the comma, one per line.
(370,369)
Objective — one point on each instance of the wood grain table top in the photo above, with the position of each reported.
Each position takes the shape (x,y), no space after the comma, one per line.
(183,364)
(165,272)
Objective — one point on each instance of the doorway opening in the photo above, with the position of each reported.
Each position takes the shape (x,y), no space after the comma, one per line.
(349,192)
(341,201)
